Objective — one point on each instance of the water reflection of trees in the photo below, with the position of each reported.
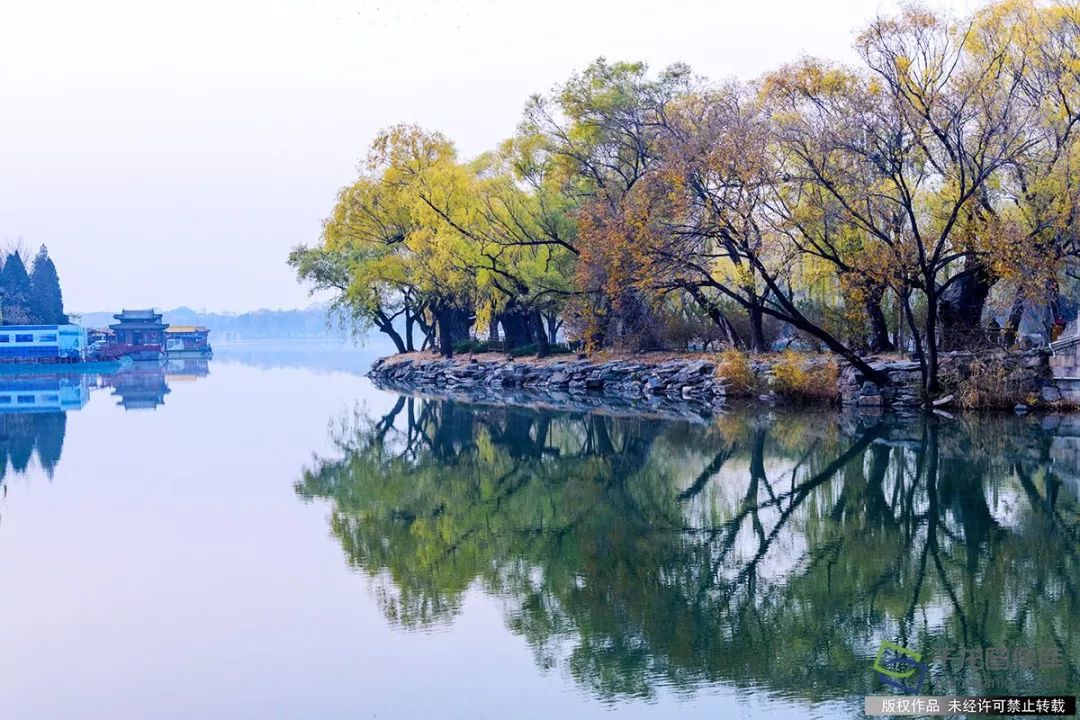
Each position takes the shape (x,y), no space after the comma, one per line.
(22,435)
(773,550)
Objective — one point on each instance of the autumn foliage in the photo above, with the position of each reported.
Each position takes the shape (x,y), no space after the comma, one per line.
(923,200)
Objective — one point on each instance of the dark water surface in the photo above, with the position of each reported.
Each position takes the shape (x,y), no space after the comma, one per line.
(270,536)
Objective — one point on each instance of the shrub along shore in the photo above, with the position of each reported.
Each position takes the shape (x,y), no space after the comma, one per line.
(706,381)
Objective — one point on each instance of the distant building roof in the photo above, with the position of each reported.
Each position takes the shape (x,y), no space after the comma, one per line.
(138,321)
(147,314)
(186,329)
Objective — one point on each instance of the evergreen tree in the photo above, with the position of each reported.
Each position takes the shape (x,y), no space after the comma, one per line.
(16,285)
(46,303)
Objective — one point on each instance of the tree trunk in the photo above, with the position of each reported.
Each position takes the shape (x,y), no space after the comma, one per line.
(879,328)
(553,324)
(757,330)
(1053,309)
(409,321)
(727,330)
(916,336)
(399,344)
(460,323)
(386,325)
(960,307)
(428,330)
(1012,324)
(931,342)
(539,335)
(516,329)
(444,321)
(901,343)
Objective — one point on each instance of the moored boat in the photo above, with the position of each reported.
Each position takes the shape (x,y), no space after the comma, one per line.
(188,341)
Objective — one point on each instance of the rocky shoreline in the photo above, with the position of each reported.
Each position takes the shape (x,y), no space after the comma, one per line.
(673,390)
(679,386)
(690,383)
(560,401)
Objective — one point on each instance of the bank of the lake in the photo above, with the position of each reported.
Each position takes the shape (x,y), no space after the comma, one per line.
(699,383)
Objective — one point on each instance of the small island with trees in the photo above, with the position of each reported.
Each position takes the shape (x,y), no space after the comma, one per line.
(910,220)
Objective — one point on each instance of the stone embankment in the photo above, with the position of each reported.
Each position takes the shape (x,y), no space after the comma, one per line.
(683,385)
(669,388)
(1023,377)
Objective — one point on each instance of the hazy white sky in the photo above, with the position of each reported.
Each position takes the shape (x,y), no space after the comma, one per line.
(172,152)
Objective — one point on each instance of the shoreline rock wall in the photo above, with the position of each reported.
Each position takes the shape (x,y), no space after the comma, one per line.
(690,379)
(686,384)
(1025,376)
(661,408)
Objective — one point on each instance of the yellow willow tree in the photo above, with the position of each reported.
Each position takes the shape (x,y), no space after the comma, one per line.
(410,161)
(383,251)
(909,150)
(703,223)
(515,234)
(361,260)
(600,130)
(813,217)
(710,176)
(838,254)
(1035,237)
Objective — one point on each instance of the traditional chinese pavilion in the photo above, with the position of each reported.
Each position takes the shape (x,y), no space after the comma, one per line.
(139,333)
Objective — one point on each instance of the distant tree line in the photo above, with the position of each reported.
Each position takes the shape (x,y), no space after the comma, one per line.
(924,200)
(31,298)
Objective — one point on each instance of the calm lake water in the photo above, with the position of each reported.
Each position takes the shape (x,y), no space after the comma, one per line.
(268,535)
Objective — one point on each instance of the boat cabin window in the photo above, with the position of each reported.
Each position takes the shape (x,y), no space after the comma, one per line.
(23,338)
(50,337)
(5,338)
(24,399)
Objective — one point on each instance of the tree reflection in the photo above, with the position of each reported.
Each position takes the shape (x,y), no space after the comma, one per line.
(24,434)
(774,550)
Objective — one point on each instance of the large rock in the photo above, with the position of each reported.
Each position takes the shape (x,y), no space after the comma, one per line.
(1051,394)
